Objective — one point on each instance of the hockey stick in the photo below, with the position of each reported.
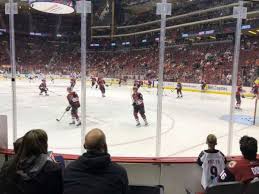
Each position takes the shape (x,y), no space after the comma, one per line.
(61,116)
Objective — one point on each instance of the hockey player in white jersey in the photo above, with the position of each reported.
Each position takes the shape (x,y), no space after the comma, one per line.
(212,162)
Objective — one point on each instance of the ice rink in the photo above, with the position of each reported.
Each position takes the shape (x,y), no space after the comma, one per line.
(186,122)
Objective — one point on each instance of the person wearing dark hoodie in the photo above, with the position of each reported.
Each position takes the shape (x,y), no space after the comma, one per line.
(94,172)
(31,171)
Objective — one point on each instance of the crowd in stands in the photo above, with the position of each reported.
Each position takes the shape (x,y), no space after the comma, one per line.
(188,63)
(34,169)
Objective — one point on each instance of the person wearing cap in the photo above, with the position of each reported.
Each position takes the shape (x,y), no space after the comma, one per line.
(74,104)
(138,106)
(43,87)
(212,162)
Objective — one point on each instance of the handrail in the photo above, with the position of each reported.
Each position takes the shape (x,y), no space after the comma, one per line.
(175,26)
(151,160)
(171,18)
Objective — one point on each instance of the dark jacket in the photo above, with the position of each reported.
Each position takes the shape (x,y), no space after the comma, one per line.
(47,181)
(94,173)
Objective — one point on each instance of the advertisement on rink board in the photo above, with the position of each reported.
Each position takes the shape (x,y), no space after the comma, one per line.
(191,87)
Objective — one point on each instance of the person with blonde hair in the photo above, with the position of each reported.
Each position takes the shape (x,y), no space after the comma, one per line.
(212,162)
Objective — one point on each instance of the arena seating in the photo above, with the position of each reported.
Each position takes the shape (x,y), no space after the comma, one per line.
(253,187)
(143,189)
(230,187)
(189,63)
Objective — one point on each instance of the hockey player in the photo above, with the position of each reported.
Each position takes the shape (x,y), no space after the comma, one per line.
(52,79)
(203,85)
(74,104)
(255,89)
(212,162)
(30,77)
(179,90)
(101,84)
(43,87)
(93,80)
(72,82)
(137,84)
(138,106)
(120,80)
(149,83)
(238,96)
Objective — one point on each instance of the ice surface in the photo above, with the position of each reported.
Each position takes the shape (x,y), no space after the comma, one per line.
(186,122)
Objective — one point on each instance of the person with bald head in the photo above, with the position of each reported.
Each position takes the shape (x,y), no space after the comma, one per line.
(94,172)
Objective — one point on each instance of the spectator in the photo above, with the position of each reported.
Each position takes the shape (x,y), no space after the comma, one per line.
(246,169)
(31,171)
(56,158)
(17,144)
(93,172)
(212,162)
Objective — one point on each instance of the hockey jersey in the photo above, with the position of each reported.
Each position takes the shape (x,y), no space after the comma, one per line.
(212,163)
(138,99)
(73,99)
(243,170)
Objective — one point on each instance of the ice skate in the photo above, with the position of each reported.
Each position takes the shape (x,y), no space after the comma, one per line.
(79,123)
(72,123)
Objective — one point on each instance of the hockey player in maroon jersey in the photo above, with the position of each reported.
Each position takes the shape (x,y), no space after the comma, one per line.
(179,89)
(43,87)
(149,83)
(138,106)
(101,84)
(93,80)
(72,82)
(137,84)
(247,168)
(238,96)
(203,85)
(255,89)
(120,80)
(74,104)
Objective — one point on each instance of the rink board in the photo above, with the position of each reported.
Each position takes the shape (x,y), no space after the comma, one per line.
(189,87)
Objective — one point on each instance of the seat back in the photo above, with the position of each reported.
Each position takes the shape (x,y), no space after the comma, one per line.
(253,187)
(143,189)
(226,188)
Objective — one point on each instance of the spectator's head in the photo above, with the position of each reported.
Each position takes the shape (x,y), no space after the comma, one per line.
(248,147)
(211,141)
(34,143)
(17,144)
(95,140)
